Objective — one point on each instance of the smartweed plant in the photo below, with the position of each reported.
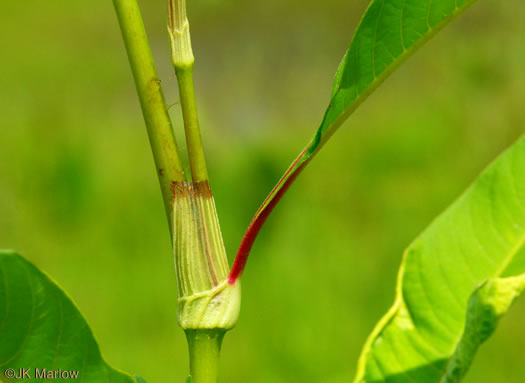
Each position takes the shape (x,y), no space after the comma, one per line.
(455,282)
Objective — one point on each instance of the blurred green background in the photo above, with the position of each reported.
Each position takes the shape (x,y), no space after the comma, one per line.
(79,195)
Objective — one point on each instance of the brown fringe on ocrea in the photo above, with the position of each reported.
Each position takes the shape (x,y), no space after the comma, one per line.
(182,189)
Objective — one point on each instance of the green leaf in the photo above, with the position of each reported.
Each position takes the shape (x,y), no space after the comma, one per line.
(389,32)
(456,280)
(486,306)
(41,328)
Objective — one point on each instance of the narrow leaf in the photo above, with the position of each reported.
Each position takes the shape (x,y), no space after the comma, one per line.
(390,31)
(41,328)
(433,330)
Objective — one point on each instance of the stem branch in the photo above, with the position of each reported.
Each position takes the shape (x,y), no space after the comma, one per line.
(158,123)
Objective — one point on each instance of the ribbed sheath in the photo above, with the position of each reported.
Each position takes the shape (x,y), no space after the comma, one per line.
(206,300)
(179,30)
(200,256)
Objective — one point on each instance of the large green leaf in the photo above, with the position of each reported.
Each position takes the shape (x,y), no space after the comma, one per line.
(390,31)
(455,281)
(40,327)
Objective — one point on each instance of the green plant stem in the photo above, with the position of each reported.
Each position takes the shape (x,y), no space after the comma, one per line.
(191,123)
(183,59)
(158,123)
(205,348)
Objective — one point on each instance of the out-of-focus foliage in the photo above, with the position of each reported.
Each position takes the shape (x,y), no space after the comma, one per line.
(79,196)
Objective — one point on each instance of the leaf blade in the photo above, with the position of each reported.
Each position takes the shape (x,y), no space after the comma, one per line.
(474,241)
(373,55)
(41,327)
